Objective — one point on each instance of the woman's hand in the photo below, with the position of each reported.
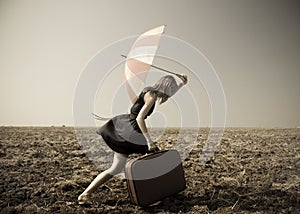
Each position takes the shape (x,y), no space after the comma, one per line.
(183,77)
(152,147)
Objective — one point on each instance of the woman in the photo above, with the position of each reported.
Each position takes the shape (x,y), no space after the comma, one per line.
(127,134)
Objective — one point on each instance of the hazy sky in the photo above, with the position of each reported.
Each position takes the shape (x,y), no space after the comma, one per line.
(253,45)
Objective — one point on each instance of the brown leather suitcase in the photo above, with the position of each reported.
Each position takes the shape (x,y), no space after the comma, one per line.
(155,176)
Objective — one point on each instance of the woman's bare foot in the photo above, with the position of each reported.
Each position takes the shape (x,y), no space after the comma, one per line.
(84,199)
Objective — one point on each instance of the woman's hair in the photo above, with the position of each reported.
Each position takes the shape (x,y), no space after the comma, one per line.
(166,85)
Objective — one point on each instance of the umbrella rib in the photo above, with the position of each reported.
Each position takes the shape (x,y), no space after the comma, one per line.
(162,69)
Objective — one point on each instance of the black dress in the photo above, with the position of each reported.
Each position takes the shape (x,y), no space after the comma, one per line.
(122,133)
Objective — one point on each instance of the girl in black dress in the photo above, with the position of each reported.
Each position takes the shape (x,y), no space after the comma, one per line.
(127,134)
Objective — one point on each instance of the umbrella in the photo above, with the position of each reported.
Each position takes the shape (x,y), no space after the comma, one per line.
(140,59)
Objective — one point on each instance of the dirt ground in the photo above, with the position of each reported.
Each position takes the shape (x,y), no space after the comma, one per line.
(44,169)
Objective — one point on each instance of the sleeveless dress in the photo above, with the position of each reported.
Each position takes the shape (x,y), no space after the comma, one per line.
(123,134)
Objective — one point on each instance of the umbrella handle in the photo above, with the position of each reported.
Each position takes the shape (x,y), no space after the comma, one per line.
(162,69)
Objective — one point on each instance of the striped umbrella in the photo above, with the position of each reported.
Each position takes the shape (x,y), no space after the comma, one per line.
(139,60)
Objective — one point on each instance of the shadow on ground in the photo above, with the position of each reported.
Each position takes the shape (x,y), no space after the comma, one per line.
(232,199)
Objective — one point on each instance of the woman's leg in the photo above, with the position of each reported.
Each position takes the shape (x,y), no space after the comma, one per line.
(116,167)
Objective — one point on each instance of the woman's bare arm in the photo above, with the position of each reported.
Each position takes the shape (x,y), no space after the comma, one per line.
(149,99)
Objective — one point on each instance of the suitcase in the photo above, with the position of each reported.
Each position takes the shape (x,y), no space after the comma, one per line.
(155,176)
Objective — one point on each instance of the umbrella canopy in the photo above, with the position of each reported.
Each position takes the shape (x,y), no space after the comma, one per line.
(140,59)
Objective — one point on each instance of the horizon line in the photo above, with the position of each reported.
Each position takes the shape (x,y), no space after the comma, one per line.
(154,127)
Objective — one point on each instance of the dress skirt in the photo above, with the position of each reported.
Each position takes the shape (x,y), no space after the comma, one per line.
(123,135)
